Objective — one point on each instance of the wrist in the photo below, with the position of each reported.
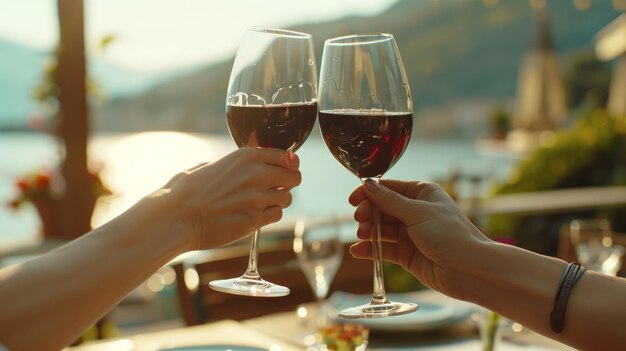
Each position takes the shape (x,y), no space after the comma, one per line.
(152,223)
(500,273)
(470,274)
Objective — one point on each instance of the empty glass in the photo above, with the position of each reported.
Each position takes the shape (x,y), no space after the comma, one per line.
(592,239)
(318,246)
(319,251)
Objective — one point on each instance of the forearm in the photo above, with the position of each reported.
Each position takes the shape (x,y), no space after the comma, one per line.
(53,299)
(521,285)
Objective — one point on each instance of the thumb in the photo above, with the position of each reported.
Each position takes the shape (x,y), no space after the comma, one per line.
(387,200)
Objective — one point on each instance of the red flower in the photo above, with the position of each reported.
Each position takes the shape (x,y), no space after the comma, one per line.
(15,204)
(38,186)
(22,184)
(42,181)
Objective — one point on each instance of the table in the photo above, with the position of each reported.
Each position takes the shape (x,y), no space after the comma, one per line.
(218,333)
(286,331)
(461,337)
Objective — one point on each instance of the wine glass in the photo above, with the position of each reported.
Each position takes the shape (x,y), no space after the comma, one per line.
(592,239)
(366,119)
(272,103)
(319,251)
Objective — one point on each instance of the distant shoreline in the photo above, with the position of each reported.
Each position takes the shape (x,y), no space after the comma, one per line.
(21,129)
(27,130)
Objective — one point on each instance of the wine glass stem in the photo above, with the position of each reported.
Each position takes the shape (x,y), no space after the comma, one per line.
(251,272)
(379,296)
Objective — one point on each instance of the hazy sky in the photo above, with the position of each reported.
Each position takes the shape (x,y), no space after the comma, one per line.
(164,34)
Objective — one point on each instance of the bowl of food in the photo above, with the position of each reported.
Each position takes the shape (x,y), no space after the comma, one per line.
(345,337)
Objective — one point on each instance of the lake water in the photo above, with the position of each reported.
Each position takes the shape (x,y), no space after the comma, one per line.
(135,164)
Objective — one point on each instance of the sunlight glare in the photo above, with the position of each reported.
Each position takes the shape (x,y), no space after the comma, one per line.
(192,279)
(302,312)
(120,345)
(141,163)
(155,283)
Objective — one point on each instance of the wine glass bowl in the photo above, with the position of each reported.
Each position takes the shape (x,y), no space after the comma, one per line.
(366,120)
(593,242)
(320,252)
(271,102)
(367,143)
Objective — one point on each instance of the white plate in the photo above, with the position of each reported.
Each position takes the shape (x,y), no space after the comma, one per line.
(214,348)
(429,315)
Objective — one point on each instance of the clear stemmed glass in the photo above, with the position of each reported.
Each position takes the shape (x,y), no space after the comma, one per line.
(366,119)
(319,251)
(592,239)
(271,102)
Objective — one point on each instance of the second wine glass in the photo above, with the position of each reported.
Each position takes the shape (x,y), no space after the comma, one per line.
(271,102)
(319,251)
(366,119)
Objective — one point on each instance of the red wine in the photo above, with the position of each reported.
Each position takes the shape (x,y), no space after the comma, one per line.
(366,143)
(280,126)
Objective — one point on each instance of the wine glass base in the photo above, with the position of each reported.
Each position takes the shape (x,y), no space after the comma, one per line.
(369,310)
(249,287)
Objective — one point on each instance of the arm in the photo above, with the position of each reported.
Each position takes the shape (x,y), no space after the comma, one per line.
(48,302)
(426,233)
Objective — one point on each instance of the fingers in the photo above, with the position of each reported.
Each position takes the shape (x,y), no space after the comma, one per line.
(275,157)
(277,177)
(271,214)
(425,191)
(279,197)
(275,201)
(397,186)
(407,189)
(357,196)
(363,212)
(390,232)
(278,168)
(389,201)
(414,204)
(363,250)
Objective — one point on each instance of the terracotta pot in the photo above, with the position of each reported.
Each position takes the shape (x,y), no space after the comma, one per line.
(49,216)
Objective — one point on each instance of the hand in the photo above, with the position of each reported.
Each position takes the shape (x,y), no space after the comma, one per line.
(422,230)
(222,202)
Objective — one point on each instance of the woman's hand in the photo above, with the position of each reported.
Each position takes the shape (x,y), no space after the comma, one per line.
(422,230)
(204,207)
(221,202)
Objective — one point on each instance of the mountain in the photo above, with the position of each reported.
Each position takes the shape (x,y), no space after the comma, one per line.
(21,68)
(452,50)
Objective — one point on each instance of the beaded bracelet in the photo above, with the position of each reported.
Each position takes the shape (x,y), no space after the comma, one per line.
(571,275)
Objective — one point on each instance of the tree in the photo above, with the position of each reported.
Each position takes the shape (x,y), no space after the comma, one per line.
(76,206)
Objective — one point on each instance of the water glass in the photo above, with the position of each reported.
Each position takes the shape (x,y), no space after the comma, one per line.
(592,239)
(319,251)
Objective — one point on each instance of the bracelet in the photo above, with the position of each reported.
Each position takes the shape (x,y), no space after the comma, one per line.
(571,275)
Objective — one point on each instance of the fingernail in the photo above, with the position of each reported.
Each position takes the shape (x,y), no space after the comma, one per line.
(371,185)
(292,159)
